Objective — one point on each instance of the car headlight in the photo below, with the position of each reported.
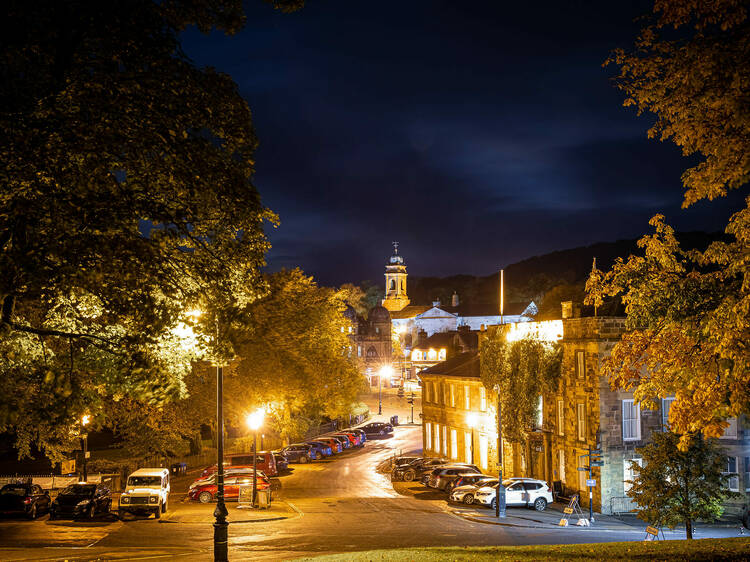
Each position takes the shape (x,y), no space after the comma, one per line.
(125,499)
(153,499)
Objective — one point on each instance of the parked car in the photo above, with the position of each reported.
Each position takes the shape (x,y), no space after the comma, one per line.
(360,432)
(465,492)
(146,491)
(401,461)
(468,478)
(414,470)
(24,499)
(298,452)
(377,428)
(282,465)
(352,440)
(528,492)
(81,500)
(355,438)
(334,444)
(344,441)
(440,477)
(321,449)
(205,490)
(266,462)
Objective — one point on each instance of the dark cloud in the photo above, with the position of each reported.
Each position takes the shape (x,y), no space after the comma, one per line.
(476,134)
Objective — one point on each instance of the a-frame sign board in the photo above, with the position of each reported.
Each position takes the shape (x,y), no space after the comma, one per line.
(572,508)
(652,533)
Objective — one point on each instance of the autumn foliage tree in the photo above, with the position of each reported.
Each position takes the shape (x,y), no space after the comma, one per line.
(688,310)
(126,196)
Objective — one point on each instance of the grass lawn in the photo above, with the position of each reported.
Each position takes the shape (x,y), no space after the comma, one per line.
(698,549)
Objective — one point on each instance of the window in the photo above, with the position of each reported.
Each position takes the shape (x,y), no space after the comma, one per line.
(467,397)
(432,355)
(436,448)
(445,393)
(560,417)
(731,431)
(468,457)
(342,329)
(483,451)
(747,474)
(350,329)
(441,355)
(372,352)
(445,441)
(359,351)
(393,285)
(666,404)
(580,364)
(540,412)
(454,444)
(628,474)
(453,395)
(428,435)
(631,420)
(483,399)
(581,410)
(561,461)
(733,478)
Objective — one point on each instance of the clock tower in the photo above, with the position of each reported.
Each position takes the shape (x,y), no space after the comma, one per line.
(395,283)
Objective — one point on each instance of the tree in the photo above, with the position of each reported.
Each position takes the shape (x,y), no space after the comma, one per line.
(688,310)
(126,197)
(522,371)
(676,486)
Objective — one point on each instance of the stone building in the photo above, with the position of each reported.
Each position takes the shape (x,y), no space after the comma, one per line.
(370,341)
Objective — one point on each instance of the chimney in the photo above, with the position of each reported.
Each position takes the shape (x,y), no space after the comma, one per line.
(454,299)
(421,337)
(571,309)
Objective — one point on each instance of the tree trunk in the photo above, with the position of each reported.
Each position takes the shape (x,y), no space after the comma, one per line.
(689,528)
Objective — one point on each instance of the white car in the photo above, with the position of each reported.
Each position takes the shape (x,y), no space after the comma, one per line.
(146,492)
(519,492)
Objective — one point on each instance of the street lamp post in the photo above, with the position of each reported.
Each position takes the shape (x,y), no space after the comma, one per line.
(254,421)
(385,371)
(85,446)
(221,527)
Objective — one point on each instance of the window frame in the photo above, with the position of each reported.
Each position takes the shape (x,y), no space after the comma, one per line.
(636,407)
(482,399)
(666,404)
(467,397)
(733,476)
(580,366)
(581,420)
(560,416)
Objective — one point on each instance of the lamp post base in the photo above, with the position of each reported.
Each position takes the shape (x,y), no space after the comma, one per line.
(221,534)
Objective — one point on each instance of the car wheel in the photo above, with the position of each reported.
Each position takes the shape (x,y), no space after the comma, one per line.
(120,513)
(493,504)
(157,513)
(540,504)
(32,512)
(92,512)
(468,499)
(409,476)
(303,459)
(164,507)
(205,497)
(381,432)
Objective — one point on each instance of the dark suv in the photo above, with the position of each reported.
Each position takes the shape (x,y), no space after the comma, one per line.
(377,428)
(415,469)
(441,477)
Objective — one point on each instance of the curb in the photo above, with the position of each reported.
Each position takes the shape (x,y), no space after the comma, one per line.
(486,521)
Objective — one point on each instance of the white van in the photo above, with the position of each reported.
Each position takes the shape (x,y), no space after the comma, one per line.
(147,491)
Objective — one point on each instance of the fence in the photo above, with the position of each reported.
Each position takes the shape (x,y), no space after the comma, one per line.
(54,482)
(619,505)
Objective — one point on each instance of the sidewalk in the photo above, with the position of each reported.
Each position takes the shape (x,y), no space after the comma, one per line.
(199,513)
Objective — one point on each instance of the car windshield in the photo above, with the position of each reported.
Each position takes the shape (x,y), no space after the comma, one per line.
(144,481)
(14,489)
(80,489)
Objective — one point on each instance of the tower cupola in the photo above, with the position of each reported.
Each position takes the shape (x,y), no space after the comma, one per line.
(395,282)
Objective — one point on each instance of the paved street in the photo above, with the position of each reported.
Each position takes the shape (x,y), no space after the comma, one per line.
(331,506)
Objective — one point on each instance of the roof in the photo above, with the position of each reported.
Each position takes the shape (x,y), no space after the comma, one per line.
(449,339)
(409,311)
(509,309)
(150,472)
(462,365)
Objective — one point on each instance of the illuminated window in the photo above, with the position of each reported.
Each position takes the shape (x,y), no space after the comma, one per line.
(350,329)
(436,448)
(581,409)
(359,351)
(453,396)
(560,417)
(454,444)
(415,355)
(441,355)
(467,397)
(432,355)
(540,413)
(483,451)
(483,399)
(445,441)
(467,447)
(580,364)
(428,435)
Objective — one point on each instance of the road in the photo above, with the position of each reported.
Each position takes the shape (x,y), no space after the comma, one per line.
(332,506)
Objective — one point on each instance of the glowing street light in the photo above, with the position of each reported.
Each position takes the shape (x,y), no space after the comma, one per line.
(472,420)
(254,422)
(85,444)
(385,371)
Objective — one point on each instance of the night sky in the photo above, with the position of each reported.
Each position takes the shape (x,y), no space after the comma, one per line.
(475,133)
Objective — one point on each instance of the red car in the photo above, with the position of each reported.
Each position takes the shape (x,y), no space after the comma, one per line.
(204,490)
(332,443)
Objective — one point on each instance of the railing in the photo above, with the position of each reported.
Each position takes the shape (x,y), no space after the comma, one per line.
(619,505)
(54,482)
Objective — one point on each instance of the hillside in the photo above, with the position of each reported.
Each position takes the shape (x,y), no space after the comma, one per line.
(531,278)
